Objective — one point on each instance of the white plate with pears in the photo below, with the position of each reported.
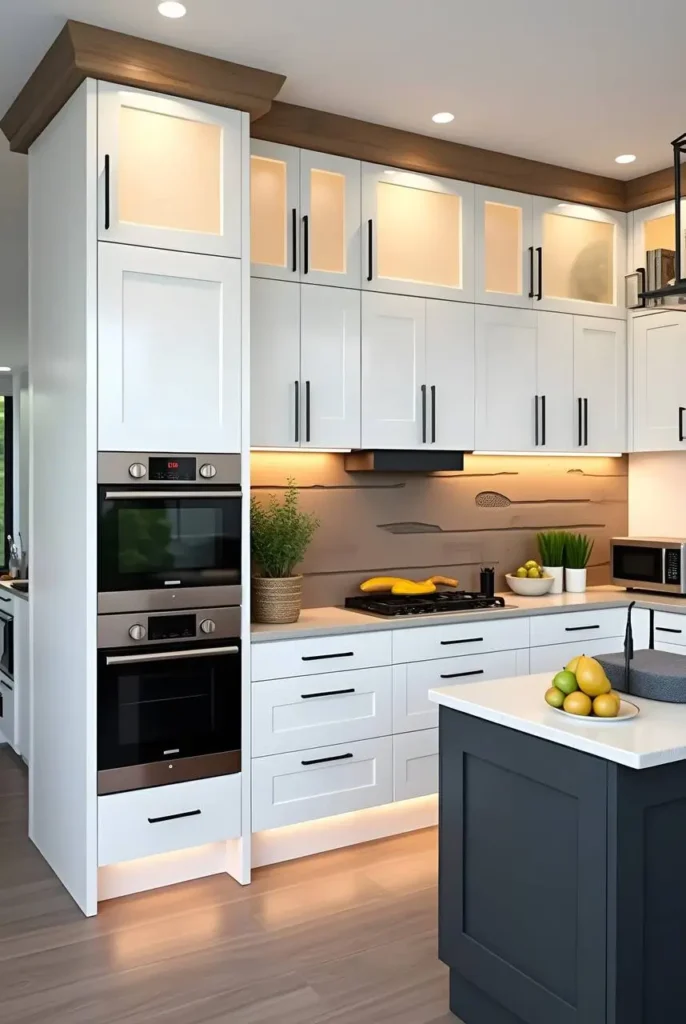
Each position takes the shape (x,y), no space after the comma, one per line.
(582,691)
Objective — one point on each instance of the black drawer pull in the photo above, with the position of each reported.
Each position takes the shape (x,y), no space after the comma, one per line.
(667,629)
(6,600)
(467,640)
(326,693)
(324,657)
(173,817)
(578,629)
(323,760)
(460,675)
(6,685)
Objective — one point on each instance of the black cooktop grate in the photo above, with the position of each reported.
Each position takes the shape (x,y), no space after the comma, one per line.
(386,604)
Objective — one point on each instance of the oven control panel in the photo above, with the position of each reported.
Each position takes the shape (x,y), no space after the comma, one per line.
(167,468)
(134,629)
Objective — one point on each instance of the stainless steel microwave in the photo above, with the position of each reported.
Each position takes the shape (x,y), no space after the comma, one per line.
(649,563)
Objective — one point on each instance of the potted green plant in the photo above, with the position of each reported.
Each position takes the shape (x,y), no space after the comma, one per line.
(280,534)
(551,548)
(578,548)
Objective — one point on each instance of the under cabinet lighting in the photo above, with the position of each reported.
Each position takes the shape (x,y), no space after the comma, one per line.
(171,9)
(443,117)
(321,451)
(625,158)
(557,455)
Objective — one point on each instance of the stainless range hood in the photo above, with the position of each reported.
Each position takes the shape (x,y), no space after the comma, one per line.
(679,286)
(393,460)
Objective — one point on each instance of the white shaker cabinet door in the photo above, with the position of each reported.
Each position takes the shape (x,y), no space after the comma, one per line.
(274,364)
(504,250)
(274,200)
(393,371)
(555,382)
(600,384)
(659,407)
(450,375)
(169,172)
(330,367)
(169,351)
(505,379)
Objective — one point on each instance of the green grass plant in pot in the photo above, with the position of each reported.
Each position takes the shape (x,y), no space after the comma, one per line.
(280,534)
(578,548)
(551,548)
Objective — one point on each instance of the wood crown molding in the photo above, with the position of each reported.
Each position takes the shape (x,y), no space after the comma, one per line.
(83,51)
(650,189)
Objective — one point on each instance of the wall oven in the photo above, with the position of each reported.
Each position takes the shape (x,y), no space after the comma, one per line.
(649,563)
(169,531)
(6,640)
(169,697)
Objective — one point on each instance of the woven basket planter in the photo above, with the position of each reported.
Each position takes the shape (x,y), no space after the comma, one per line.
(276,600)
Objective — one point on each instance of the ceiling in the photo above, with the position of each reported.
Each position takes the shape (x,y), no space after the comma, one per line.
(574,84)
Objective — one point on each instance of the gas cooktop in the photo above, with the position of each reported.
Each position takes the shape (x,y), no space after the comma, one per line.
(386,604)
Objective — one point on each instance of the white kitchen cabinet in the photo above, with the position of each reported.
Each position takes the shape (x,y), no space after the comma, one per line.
(415,764)
(504,251)
(600,384)
(523,380)
(417,234)
(22,678)
(417,373)
(580,259)
(305,366)
(305,215)
(653,228)
(553,658)
(424,643)
(169,351)
(169,172)
(659,381)
(343,652)
(8,708)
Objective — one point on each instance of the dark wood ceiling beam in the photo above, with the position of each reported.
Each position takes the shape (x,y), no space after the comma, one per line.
(84,51)
(650,189)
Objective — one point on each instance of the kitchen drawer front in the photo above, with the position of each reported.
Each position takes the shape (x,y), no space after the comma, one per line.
(7,711)
(554,657)
(309,784)
(660,645)
(296,714)
(415,764)
(198,812)
(670,628)
(412,708)
(577,627)
(315,655)
(425,643)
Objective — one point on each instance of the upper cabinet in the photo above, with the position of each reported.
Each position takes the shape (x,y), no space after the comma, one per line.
(169,172)
(659,381)
(417,234)
(504,249)
(600,384)
(304,216)
(579,259)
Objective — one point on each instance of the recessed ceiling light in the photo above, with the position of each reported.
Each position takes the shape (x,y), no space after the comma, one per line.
(443,118)
(5,369)
(171,9)
(625,158)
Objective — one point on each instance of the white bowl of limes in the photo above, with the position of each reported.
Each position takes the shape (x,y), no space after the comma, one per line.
(529,580)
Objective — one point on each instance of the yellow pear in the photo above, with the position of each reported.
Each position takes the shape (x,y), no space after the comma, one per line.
(571,666)
(590,675)
(578,703)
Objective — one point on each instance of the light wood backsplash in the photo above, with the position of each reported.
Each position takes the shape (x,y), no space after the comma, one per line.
(452,523)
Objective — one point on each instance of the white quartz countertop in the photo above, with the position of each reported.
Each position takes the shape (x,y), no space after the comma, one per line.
(6,585)
(657,735)
(330,621)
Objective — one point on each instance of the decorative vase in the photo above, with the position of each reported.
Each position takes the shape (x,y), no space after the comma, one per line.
(575,581)
(276,599)
(558,574)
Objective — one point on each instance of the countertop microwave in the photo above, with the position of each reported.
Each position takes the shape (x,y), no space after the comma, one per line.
(649,563)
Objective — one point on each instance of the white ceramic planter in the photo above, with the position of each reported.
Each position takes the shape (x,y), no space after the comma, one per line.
(575,581)
(558,574)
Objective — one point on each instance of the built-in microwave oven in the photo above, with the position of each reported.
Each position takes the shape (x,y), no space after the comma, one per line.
(649,563)
(169,531)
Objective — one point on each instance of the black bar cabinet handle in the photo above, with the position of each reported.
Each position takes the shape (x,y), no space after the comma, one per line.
(307,410)
(370,250)
(467,640)
(423,390)
(294,243)
(578,629)
(325,657)
(586,421)
(532,293)
(581,420)
(326,693)
(324,760)
(297,411)
(542,419)
(539,250)
(641,271)
(174,817)
(460,675)
(682,410)
(306,244)
(667,629)
(6,600)
(107,191)
(536,420)
(433,413)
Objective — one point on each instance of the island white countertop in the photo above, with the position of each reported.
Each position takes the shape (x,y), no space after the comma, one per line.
(657,735)
(330,621)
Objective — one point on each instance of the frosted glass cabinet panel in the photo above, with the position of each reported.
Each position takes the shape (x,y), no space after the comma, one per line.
(169,172)
(417,234)
(580,258)
(274,195)
(504,251)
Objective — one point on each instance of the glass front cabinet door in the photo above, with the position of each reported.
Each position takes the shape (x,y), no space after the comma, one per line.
(580,259)
(504,249)
(169,172)
(651,248)
(417,234)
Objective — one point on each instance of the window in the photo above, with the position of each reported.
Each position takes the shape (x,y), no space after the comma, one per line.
(5,475)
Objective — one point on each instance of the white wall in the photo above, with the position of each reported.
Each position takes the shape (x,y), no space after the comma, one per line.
(657,494)
(13,257)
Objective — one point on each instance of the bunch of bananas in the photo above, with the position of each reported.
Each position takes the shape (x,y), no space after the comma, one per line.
(399,585)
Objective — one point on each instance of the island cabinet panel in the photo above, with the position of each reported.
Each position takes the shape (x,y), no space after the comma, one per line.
(522,879)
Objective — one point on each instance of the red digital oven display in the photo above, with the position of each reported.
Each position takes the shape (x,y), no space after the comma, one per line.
(182,468)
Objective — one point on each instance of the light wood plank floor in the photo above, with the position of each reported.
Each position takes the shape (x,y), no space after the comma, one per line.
(348,936)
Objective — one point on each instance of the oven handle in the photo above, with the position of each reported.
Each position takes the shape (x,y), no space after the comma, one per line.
(133,495)
(131,659)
